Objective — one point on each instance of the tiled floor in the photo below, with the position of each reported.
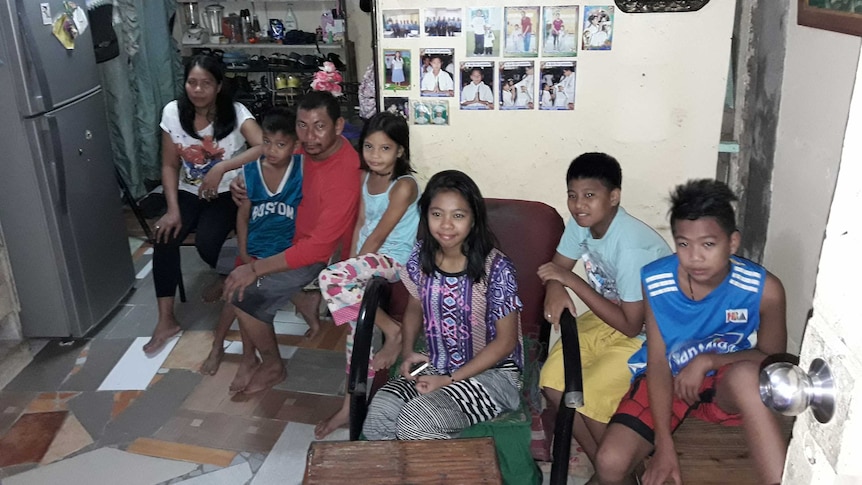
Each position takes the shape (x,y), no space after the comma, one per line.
(96,411)
(59,423)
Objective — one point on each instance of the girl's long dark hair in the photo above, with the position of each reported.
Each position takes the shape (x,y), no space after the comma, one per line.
(225,116)
(478,243)
(395,127)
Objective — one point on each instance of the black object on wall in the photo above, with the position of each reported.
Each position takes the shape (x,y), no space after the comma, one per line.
(365,5)
(655,6)
(105,41)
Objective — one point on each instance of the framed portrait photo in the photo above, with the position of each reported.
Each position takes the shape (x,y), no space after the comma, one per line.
(843,16)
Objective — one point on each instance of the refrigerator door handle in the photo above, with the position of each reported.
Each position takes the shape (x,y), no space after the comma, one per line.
(40,98)
(57,166)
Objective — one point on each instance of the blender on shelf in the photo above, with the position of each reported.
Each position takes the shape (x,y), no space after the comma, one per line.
(193,31)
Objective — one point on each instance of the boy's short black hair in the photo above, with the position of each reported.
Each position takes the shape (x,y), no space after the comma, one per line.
(321,99)
(599,166)
(279,120)
(701,198)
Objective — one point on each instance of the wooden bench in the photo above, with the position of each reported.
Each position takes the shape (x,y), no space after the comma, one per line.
(467,461)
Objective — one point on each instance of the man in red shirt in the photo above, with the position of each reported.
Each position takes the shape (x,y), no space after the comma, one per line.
(325,220)
(526,30)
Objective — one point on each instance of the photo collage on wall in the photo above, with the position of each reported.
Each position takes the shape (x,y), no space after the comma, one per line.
(517,57)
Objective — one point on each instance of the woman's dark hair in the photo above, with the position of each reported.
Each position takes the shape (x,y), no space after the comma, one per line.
(395,127)
(701,198)
(479,242)
(225,115)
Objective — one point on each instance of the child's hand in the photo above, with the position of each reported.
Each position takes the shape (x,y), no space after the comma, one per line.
(551,271)
(209,185)
(238,191)
(409,362)
(245,258)
(427,384)
(663,467)
(686,384)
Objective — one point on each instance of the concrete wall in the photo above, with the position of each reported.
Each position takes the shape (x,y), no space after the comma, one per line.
(819,72)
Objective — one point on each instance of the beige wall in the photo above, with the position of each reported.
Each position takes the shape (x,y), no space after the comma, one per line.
(654,102)
(359,30)
(819,71)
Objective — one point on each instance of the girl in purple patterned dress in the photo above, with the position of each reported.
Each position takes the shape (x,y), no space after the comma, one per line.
(464,296)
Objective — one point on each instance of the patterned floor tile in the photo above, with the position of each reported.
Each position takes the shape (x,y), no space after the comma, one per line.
(316,372)
(191,350)
(228,476)
(49,368)
(122,400)
(12,405)
(94,363)
(70,438)
(29,438)
(222,431)
(212,395)
(50,401)
(180,451)
(105,466)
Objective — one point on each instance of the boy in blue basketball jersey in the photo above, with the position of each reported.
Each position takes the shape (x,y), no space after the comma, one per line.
(711,319)
(266,220)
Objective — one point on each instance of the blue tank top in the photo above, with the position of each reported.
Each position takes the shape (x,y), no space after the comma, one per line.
(272,222)
(400,241)
(725,321)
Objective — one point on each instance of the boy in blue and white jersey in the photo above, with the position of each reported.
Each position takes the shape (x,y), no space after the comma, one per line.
(711,319)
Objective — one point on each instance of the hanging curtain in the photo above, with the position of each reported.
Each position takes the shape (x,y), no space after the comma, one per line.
(138,83)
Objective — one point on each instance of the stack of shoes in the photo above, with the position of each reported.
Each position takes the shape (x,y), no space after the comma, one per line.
(236,60)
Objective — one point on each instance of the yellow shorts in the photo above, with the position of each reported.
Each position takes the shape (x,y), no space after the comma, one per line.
(604,358)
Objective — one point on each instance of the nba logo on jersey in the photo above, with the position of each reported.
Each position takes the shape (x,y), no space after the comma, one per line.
(736,316)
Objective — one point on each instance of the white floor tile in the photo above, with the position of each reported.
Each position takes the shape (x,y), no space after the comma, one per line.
(105,466)
(145,271)
(226,476)
(135,369)
(285,464)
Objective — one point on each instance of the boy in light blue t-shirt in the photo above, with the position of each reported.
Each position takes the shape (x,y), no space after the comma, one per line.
(614,246)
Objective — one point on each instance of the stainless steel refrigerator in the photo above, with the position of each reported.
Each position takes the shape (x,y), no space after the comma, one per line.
(60,204)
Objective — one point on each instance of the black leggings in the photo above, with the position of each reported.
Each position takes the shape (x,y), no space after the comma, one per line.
(212,220)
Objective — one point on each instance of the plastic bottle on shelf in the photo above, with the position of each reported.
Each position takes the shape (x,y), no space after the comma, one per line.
(290,22)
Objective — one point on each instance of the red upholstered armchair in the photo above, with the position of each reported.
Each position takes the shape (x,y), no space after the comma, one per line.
(528,232)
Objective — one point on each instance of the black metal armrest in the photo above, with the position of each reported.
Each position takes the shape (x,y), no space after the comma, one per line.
(573,398)
(376,294)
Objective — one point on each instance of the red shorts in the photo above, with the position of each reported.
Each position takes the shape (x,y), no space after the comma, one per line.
(634,411)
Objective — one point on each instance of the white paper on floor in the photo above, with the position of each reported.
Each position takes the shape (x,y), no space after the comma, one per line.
(135,369)
(105,466)
(285,464)
(226,476)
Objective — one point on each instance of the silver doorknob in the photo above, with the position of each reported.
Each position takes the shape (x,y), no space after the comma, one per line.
(787,389)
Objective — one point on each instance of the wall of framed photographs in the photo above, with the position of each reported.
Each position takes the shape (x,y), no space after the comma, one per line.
(511,91)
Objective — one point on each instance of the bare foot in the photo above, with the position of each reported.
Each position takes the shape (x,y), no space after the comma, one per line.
(330,424)
(308,305)
(312,331)
(211,365)
(387,354)
(212,293)
(165,330)
(268,374)
(243,376)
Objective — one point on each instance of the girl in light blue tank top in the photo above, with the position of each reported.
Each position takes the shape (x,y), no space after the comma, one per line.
(385,234)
